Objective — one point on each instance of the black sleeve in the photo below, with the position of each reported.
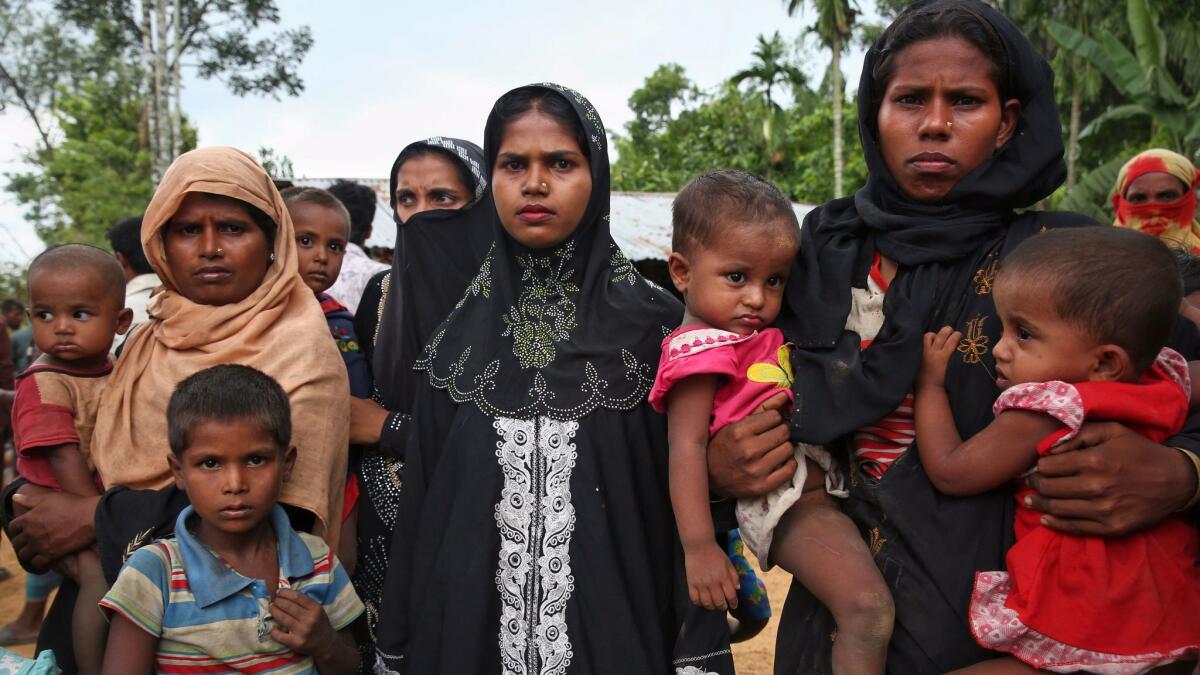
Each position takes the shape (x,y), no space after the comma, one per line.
(1186,341)
(394,435)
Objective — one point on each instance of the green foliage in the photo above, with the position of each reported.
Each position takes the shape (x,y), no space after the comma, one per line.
(12,281)
(98,173)
(723,130)
(277,165)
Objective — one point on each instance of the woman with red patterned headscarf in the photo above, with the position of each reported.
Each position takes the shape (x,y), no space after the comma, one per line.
(1156,194)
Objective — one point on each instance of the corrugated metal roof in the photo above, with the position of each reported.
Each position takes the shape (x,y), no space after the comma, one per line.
(640,221)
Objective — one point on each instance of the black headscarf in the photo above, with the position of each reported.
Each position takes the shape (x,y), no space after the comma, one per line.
(535,332)
(838,386)
(437,254)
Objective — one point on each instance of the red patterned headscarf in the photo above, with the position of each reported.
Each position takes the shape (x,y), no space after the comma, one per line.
(1175,223)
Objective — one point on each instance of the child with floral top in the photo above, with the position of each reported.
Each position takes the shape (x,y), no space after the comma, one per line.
(735,238)
(1083,341)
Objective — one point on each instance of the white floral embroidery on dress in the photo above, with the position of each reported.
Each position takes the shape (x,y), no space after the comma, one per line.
(693,670)
(535,518)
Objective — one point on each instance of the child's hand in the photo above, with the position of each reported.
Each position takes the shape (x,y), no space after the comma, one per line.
(712,581)
(302,626)
(938,348)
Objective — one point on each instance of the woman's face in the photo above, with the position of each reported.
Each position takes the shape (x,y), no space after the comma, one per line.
(427,182)
(541,181)
(216,252)
(1155,188)
(941,116)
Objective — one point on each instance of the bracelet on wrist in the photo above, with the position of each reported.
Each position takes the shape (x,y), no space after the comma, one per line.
(1195,460)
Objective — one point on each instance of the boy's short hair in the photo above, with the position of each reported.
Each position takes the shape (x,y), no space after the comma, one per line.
(717,198)
(83,257)
(125,237)
(1120,285)
(226,393)
(316,197)
(359,201)
(1189,270)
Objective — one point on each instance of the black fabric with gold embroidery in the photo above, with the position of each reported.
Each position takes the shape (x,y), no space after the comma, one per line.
(558,332)
(928,546)
(838,387)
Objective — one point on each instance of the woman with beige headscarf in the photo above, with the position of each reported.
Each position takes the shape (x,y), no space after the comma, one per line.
(219,236)
(1155,193)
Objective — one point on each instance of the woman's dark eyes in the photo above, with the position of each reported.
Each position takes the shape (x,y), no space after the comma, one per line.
(514,165)
(232,228)
(966,100)
(563,164)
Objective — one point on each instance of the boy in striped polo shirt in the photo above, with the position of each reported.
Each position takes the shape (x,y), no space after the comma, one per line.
(236,589)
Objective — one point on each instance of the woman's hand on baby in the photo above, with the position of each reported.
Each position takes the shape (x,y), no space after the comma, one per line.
(303,626)
(939,347)
(56,525)
(1109,481)
(712,580)
(753,456)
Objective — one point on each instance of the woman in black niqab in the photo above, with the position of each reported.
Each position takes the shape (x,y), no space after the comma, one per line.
(535,518)
(437,254)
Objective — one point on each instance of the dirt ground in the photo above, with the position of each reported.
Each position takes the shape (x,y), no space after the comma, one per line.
(754,657)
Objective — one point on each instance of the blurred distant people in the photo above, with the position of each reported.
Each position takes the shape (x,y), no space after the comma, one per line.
(125,237)
(21,335)
(1155,193)
(357,268)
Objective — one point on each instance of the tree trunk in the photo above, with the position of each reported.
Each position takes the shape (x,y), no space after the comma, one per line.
(839,162)
(176,84)
(1073,137)
(161,84)
(150,104)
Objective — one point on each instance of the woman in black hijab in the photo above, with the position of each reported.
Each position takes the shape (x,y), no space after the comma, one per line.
(960,130)
(535,532)
(440,241)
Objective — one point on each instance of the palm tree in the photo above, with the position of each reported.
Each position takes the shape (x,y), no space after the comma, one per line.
(834,27)
(770,69)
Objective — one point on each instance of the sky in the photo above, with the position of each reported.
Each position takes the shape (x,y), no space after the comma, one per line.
(383,74)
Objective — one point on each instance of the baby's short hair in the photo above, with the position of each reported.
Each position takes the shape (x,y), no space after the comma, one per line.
(226,393)
(316,197)
(1120,285)
(718,198)
(83,258)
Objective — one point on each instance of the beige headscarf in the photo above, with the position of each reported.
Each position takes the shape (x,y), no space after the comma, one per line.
(279,329)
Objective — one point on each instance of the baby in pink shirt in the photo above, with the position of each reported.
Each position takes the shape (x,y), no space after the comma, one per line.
(735,239)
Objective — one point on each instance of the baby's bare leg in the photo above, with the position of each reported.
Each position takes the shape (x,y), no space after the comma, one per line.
(89,630)
(822,548)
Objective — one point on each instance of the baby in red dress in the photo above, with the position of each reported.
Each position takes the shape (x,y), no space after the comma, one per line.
(1085,313)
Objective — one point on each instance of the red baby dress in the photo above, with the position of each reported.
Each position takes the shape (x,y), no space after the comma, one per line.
(1113,605)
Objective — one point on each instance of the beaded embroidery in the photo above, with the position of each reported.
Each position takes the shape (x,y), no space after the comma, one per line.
(544,313)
